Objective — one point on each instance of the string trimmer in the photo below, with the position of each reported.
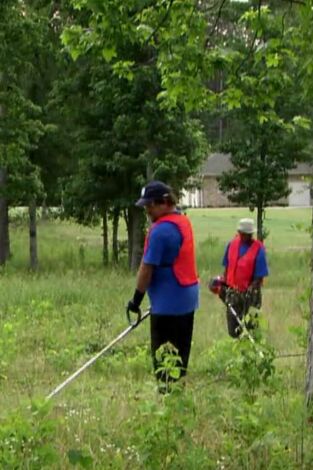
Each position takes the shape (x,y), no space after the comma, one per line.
(132,325)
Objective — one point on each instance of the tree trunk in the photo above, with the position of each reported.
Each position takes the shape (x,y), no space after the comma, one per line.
(136,224)
(221,120)
(116,217)
(260,211)
(44,211)
(7,236)
(153,152)
(105,238)
(4,221)
(260,197)
(149,170)
(33,255)
(309,369)
(128,221)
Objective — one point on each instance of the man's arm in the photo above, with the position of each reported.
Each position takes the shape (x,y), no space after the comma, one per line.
(260,269)
(151,259)
(256,283)
(225,261)
(144,276)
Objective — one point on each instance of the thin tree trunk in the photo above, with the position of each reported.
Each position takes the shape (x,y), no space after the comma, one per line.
(260,199)
(309,369)
(105,238)
(260,211)
(149,170)
(33,254)
(221,120)
(136,235)
(44,211)
(7,236)
(5,251)
(153,152)
(4,221)
(128,221)
(116,217)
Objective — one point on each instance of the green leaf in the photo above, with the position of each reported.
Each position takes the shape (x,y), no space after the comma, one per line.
(262,118)
(272,60)
(233,98)
(123,69)
(108,53)
(302,121)
(79,457)
(145,29)
(75,53)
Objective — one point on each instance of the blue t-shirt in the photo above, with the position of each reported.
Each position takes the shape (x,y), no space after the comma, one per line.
(260,268)
(166,295)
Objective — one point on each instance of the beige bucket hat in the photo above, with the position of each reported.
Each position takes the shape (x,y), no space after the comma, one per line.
(246,226)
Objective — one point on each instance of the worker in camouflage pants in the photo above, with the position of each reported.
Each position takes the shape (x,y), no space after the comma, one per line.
(245,267)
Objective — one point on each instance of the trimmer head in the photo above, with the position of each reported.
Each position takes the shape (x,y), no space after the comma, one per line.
(216,284)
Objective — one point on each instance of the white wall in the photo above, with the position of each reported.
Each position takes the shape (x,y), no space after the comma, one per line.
(300,194)
(192,198)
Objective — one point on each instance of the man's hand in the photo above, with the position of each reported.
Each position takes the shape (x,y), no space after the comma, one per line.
(253,296)
(134,304)
(256,283)
(132,307)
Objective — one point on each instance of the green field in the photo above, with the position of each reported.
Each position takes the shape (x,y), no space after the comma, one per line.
(112,416)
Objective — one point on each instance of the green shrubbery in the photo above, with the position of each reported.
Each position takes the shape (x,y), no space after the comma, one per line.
(27,439)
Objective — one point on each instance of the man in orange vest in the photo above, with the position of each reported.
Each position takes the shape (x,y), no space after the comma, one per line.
(168,273)
(245,267)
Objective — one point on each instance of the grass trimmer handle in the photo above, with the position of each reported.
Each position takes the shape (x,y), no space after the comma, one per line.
(131,321)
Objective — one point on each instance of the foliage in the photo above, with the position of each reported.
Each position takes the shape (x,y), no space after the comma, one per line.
(21,119)
(170,35)
(116,150)
(79,457)
(125,136)
(268,119)
(243,364)
(169,367)
(27,439)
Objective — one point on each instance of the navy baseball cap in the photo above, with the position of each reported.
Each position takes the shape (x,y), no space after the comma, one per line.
(153,191)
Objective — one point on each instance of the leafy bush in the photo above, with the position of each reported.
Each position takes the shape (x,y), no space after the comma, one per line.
(26,439)
(243,364)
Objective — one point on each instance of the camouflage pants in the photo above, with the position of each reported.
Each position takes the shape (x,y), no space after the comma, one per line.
(241,303)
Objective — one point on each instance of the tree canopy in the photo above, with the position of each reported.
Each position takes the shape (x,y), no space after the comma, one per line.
(98,97)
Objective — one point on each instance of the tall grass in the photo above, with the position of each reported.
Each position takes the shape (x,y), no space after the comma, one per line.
(112,417)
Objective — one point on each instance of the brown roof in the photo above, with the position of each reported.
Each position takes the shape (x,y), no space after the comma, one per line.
(217,163)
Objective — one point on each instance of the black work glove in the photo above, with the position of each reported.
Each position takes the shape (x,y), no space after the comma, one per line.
(134,304)
(254,296)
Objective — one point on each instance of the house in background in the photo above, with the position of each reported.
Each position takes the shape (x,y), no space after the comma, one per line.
(192,198)
(300,185)
(209,194)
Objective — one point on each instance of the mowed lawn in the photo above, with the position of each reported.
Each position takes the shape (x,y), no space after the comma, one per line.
(53,321)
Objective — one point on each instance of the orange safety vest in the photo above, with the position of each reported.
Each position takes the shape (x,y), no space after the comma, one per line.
(240,270)
(184,265)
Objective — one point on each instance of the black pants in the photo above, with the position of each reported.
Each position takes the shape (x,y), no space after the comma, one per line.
(175,329)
